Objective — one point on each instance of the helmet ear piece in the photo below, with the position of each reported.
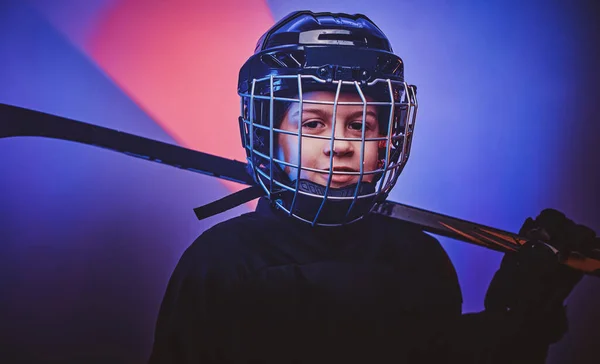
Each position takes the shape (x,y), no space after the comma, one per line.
(382,150)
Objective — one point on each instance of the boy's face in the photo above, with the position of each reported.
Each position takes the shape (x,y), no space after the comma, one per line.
(316,119)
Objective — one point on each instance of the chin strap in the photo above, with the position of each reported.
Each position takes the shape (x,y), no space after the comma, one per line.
(306,206)
(228,202)
(237,198)
(315,208)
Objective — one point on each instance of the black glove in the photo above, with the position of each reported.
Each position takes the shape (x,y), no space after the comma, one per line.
(532,283)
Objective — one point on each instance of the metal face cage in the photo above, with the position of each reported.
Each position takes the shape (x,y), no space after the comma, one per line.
(383,121)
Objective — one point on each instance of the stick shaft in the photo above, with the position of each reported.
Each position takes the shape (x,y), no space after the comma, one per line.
(16,121)
(477,234)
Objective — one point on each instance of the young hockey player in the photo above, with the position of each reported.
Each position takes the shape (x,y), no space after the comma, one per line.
(327,121)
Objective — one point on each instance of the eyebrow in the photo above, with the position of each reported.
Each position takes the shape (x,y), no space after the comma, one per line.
(326,115)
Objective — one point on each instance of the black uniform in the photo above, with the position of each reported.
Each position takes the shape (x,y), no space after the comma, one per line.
(265,288)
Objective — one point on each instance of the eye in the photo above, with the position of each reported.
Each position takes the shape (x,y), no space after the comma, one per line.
(313,124)
(370,126)
(356,125)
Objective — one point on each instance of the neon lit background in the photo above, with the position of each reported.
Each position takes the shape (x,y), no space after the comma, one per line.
(88,238)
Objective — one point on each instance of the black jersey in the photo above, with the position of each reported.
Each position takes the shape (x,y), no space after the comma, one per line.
(266,288)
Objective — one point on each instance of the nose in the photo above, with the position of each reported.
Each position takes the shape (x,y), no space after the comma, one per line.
(340,147)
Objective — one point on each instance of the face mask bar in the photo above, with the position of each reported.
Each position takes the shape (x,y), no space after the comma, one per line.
(260,128)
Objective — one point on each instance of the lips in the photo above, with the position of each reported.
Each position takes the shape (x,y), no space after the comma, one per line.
(343,169)
(340,178)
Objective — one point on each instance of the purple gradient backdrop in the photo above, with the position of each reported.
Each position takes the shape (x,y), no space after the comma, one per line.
(508,125)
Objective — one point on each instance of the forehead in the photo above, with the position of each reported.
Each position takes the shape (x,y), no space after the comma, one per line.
(329,98)
(345,96)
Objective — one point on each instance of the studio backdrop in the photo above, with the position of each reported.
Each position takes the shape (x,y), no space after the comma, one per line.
(508,125)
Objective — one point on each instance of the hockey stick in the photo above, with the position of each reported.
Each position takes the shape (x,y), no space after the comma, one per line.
(16,121)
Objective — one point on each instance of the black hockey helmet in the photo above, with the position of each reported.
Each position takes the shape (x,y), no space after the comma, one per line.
(334,52)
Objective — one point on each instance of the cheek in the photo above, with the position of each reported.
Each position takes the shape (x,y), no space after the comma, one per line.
(371,159)
(285,147)
(371,156)
(311,149)
(288,151)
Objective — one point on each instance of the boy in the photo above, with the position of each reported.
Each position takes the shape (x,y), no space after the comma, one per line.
(327,121)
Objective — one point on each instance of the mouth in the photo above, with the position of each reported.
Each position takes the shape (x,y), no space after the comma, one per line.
(337,179)
(343,169)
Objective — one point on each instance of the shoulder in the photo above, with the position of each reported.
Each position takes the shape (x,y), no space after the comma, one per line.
(213,265)
(425,248)
(408,235)
(224,246)
(426,255)
(230,235)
